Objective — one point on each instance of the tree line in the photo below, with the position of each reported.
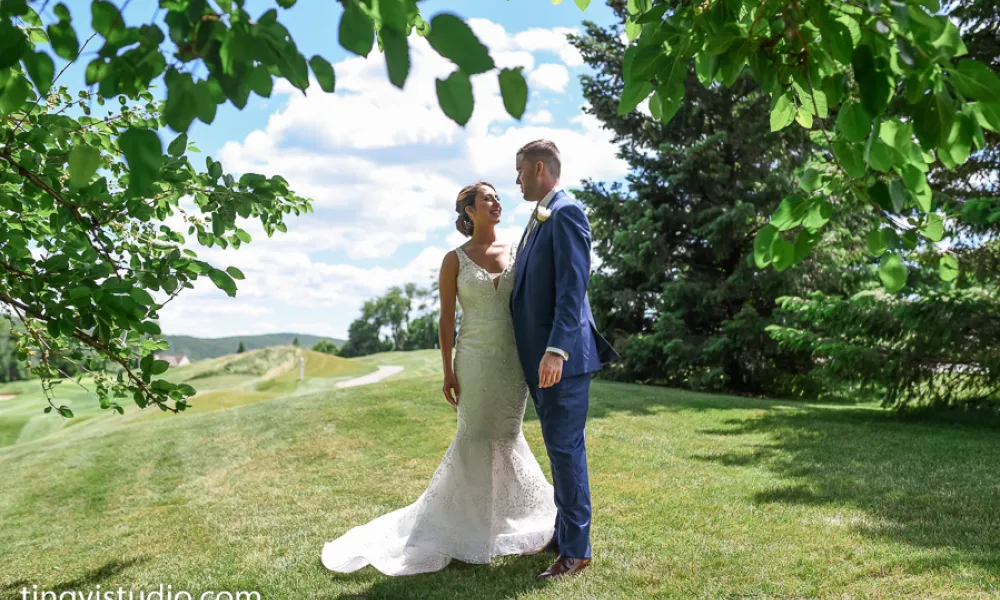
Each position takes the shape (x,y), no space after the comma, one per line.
(404,318)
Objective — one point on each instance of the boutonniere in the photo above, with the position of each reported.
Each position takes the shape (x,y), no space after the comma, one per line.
(543,214)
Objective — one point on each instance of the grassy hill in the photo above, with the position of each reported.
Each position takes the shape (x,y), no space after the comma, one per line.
(695,495)
(202,348)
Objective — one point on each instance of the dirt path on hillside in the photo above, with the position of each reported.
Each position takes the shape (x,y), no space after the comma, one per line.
(382,373)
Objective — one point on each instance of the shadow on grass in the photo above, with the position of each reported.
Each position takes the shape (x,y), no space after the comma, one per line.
(925,484)
(511,579)
(84,583)
(607,397)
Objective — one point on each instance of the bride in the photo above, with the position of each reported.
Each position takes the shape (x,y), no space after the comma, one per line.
(488,496)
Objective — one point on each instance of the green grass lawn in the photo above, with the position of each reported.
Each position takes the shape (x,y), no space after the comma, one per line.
(695,496)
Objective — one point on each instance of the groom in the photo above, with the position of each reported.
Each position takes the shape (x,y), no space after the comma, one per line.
(557,342)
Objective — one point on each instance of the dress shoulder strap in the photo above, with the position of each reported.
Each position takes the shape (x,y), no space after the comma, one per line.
(463,258)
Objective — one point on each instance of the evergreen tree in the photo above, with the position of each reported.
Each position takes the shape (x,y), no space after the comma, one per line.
(677,287)
(295,342)
(242,348)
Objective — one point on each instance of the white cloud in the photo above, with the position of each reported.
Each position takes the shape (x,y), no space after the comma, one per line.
(551,40)
(539,117)
(383,167)
(550,77)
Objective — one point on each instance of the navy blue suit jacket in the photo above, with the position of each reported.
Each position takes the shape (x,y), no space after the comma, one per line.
(549,303)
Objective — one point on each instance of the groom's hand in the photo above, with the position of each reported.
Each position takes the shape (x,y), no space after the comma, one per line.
(550,370)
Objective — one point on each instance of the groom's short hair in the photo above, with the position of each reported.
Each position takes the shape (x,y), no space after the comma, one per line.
(545,151)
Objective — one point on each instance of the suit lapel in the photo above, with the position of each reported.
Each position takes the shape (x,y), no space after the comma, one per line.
(520,268)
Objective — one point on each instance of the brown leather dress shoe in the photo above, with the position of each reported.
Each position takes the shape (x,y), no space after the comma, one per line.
(564,567)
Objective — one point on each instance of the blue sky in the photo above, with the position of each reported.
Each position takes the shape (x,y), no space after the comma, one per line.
(383,166)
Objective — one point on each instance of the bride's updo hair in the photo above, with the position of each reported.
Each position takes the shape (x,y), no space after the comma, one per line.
(467,198)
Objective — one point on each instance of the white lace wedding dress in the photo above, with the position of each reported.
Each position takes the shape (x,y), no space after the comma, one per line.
(488,497)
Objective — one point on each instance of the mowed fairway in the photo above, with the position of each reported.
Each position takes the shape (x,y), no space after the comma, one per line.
(695,496)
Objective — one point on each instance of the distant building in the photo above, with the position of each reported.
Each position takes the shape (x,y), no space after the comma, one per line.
(175,360)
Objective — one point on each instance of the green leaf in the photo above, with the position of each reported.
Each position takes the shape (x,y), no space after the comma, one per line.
(141,296)
(514,90)
(989,114)
(876,243)
(853,122)
(804,117)
(875,90)
(647,62)
(223,281)
(669,101)
(260,81)
(723,39)
(782,113)
(706,66)
(107,21)
(932,119)
(158,367)
(397,56)
(41,69)
(178,146)
(957,147)
(898,195)
(893,273)
(762,253)
(976,81)
(143,153)
(809,181)
(83,163)
(784,254)
(882,157)
(850,156)
(633,93)
(916,182)
(243,236)
(182,100)
(933,229)
(323,72)
(393,15)
(948,268)
(236,273)
(31,17)
(63,39)
(37,35)
(804,243)
(582,4)
(65,412)
(14,94)
(13,44)
(454,40)
(293,67)
(838,39)
(632,29)
(950,41)
(286,3)
(214,168)
(357,32)
(790,213)
(455,97)
(819,215)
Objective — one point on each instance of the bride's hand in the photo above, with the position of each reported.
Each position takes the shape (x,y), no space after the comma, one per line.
(450,389)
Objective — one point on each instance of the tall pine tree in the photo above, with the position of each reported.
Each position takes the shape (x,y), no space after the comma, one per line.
(677,287)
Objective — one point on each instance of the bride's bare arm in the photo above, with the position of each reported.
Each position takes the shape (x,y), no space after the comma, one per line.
(447,287)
